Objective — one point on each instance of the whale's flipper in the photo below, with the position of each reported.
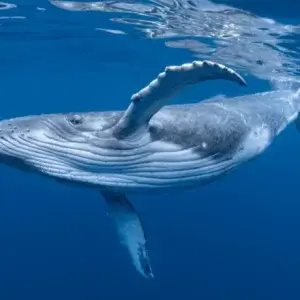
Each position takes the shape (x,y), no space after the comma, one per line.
(130,230)
(148,101)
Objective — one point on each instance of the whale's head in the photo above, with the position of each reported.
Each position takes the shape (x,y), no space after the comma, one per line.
(67,146)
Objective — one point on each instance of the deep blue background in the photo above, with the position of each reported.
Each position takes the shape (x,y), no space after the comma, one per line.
(236,239)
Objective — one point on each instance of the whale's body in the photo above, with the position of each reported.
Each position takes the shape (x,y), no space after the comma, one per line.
(185,146)
(150,147)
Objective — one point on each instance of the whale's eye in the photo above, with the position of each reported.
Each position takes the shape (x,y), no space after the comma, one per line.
(76,120)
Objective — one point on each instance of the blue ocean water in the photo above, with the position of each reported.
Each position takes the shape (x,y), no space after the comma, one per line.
(237,238)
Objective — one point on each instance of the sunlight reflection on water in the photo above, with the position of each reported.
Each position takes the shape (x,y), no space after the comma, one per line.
(256,45)
(235,37)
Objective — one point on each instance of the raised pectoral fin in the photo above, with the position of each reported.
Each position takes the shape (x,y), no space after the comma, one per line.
(149,100)
(130,230)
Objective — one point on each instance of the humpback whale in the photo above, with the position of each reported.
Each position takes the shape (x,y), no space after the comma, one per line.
(150,147)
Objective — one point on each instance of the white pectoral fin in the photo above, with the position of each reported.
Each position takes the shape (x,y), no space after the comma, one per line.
(130,230)
(149,100)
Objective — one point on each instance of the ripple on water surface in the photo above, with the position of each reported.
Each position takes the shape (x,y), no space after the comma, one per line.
(257,45)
